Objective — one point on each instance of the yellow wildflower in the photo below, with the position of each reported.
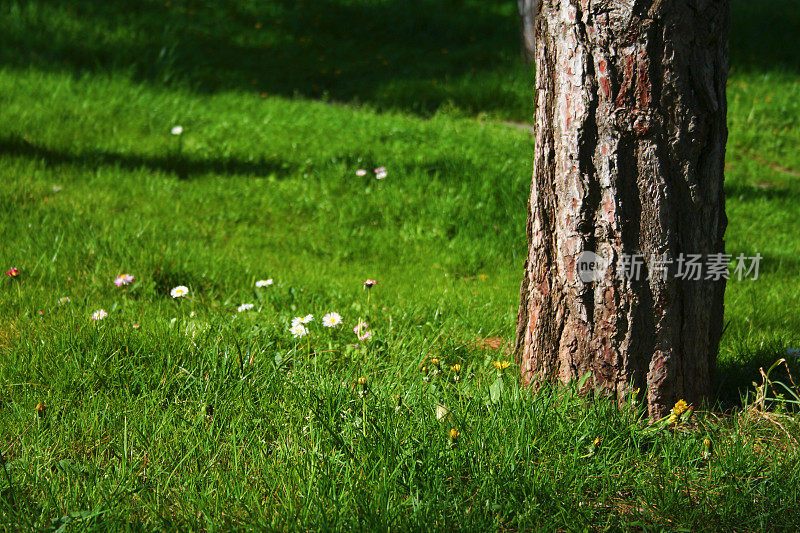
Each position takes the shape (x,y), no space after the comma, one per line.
(454,434)
(501,365)
(680,407)
(362,385)
(456,368)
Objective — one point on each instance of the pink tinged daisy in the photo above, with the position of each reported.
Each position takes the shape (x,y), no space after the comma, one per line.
(380,169)
(244,307)
(368,284)
(361,331)
(135,326)
(123,279)
(99,315)
(264,282)
(331,320)
(380,175)
(179,292)
(361,172)
(13,272)
(298,330)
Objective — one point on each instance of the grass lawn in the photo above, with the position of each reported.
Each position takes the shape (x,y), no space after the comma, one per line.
(194,413)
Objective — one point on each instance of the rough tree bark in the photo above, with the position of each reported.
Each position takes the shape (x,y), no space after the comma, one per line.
(527,28)
(630,145)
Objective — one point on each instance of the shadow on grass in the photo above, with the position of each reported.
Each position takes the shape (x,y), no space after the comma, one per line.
(412,55)
(182,166)
(738,375)
(400,54)
(765,35)
(759,191)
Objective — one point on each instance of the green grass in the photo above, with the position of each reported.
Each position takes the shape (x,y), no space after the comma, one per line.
(219,419)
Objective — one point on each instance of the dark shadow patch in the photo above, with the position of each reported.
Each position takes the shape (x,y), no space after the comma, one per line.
(737,374)
(765,35)
(402,54)
(184,167)
(758,191)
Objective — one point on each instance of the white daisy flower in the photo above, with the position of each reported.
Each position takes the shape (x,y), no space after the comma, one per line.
(179,291)
(380,175)
(331,320)
(244,307)
(306,319)
(361,172)
(99,315)
(298,330)
(176,130)
(64,300)
(123,279)
(264,282)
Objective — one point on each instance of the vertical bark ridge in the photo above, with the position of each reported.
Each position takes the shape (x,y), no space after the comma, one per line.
(630,136)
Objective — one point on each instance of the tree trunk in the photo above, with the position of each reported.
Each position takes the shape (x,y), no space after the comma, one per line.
(630,146)
(527,28)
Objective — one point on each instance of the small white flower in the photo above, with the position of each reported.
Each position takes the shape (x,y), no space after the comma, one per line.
(244,307)
(361,172)
(179,291)
(177,130)
(298,330)
(56,188)
(302,319)
(381,175)
(123,279)
(99,315)
(64,300)
(331,320)
(264,282)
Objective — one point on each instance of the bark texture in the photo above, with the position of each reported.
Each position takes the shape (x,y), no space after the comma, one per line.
(630,146)
(527,28)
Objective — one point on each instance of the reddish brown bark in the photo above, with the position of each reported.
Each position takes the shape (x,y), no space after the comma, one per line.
(630,144)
